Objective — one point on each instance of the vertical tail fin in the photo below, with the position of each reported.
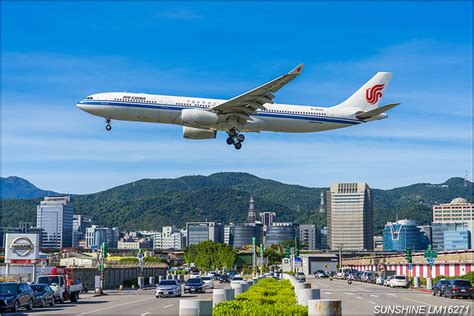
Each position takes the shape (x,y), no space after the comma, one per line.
(369,95)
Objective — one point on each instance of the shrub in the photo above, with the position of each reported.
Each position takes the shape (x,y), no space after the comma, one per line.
(267,297)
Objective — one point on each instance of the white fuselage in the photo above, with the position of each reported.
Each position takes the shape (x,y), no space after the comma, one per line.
(168,110)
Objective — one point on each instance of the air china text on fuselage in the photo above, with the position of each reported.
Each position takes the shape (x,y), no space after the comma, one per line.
(252,111)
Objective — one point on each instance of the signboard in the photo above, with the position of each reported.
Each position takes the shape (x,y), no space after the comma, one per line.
(21,248)
(410,267)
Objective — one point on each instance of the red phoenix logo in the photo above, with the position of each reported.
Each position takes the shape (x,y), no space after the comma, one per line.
(373,94)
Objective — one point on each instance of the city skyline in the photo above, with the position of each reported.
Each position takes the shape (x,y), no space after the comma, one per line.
(65,150)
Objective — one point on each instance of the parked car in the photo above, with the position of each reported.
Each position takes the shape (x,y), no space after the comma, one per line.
(300,277)
(208,282)
(224,278)
(380,280)
(14,295)
(168,288)
(399,281)
(194,274)
(386,282)
(194,285)
(237,279)
(438,288)
(459,288)
(320,274)
(44,295)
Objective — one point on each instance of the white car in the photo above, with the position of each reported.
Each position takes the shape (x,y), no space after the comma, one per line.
(208,282)
(168,288)
(236,279)
(399,281)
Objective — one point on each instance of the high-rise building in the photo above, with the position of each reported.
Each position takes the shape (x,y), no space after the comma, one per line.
(402,235)
(96,235)
(228,238)
(458,210)
(55,216)
(350,216)
(324,238)
(79,225)
(278,233)
(457,240)
(438,231)
(243,234)
(251,216)
(267,218)
(169,238)
(309,236)
(201,231)
(322,206)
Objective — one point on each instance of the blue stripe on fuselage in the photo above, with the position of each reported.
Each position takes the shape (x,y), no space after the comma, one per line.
(264,114)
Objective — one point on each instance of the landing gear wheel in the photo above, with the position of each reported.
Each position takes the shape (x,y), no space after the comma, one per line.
(232,132)
(240,138)
(238,145)
(108,127)
(230,141)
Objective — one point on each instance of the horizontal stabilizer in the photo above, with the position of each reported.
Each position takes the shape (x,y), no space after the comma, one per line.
(375,112)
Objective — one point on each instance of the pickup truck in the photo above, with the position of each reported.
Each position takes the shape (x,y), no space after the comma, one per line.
(63,287)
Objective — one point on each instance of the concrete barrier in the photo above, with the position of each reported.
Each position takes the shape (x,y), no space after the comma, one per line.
(151,281)
(245,287)
(141,282)
(429,284)
(326,307)
(237,287)
(298,286)
(416,282)
(160,278)
(222,295)
(195,307)
(229,294)
(304,295)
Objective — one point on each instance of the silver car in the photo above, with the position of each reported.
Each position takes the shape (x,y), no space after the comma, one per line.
(168,288)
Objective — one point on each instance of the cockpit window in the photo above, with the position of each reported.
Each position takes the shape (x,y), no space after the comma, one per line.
(89,98)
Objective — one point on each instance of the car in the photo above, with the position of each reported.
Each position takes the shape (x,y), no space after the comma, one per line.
(300,277)
(386,282)
(194,285)
(399,281)
(14,295)
(224,278)
(237,279)
(320,274)
(44,295)
(459,288)
(438,288)
(194,274)
(208,282)
(168,288)
(380,280)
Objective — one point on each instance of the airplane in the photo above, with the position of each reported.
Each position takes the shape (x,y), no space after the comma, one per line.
(252,111)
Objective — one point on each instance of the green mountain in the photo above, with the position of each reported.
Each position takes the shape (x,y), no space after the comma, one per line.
(152,203)
(19,188)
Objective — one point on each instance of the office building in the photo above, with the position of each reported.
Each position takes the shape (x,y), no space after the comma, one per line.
(278,233)
(458,210)
(322,205)
(79,225)
(267,218)
(244,233)
(169,238)
(324,239)
(55,216)
(438,231)
(135,244)
(251,216)
(96,235)
(201,231)
(350,217)
(309,236)
(457,240)
(402,235)
(228,239)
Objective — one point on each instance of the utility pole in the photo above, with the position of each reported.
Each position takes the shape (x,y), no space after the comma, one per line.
(253,256)
(340,255)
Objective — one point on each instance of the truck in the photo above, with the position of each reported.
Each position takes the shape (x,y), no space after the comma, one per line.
(61,281)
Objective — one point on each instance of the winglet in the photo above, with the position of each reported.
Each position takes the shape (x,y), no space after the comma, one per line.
(297,70)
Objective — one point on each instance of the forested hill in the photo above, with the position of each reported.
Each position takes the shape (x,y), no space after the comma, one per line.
(152,203)
(19,188)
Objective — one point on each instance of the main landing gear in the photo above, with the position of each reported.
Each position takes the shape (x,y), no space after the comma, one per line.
(235,138)
(108,126)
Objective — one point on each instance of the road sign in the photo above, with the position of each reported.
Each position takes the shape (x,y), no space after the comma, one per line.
(430,261)
(140,256)
(410,267)
(429,253)
(297,259)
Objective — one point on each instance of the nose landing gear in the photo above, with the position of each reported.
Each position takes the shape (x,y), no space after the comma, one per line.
(108,126)
(235,138)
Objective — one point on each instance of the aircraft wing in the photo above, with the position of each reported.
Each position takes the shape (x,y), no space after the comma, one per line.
(247,103)
(377,111)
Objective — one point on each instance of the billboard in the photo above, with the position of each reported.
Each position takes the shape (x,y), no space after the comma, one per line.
(22,248)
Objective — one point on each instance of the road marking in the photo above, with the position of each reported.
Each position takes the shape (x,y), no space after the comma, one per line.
(101,309)
(168,306)
(359,297)
(328,293)
(391,294)
(374,295)
(371,302)
(349,293)
(145,313)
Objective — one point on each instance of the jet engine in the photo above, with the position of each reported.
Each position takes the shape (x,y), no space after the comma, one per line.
(198,117)
(198,133)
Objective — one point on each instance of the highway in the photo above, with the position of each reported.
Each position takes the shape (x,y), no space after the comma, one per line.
(368,299)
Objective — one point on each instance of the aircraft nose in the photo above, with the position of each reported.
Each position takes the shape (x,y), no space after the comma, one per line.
(82,106)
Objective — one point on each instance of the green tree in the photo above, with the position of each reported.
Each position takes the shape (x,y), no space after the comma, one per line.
(209,255)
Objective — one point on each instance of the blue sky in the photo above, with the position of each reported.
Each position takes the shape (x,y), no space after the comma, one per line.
(54,54)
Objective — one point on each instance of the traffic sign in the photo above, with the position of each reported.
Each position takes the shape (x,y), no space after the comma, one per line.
(429,253)
(410,267)
(140,256)
(430,261)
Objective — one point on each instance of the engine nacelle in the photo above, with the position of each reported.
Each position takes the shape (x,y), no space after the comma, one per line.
(198,133)
(198,117)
